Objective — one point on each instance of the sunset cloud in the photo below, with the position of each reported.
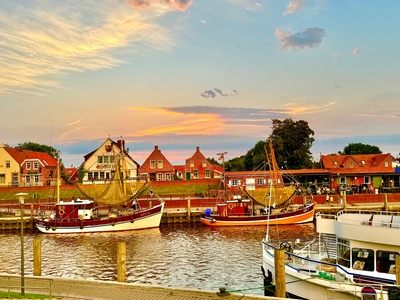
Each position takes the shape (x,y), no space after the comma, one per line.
(49,40)
(293,7)
(309,38)
(181,5)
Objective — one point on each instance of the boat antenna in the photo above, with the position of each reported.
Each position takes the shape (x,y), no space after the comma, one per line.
(222,155)
(58,176)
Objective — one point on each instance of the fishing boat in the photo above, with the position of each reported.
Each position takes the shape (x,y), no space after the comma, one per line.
(111,206)
(354,256)
(272,204)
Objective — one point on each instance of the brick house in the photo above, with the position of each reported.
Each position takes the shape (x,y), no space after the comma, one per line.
(198,167)
(156,167)
(38,169)
(19,167)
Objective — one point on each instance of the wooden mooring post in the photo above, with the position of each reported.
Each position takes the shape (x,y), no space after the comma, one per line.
(37,257)
(397,269)
(280,275)
(121,260)
(188,209)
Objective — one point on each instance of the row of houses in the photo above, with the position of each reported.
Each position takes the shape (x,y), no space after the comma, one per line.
(364,173)
(19,167)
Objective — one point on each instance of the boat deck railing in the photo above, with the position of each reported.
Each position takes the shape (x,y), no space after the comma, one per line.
(366,217)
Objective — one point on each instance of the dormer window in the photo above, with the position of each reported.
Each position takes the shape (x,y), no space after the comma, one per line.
(386,164)
(28,165)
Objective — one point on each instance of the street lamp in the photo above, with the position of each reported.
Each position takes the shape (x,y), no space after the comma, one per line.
(21,203)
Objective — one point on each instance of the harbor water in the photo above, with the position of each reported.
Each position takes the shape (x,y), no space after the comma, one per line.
(174,255)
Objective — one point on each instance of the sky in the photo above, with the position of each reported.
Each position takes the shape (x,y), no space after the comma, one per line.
(182,74)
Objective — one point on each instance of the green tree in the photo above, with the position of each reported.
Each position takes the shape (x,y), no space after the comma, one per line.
(213,161)
(292,142)
(39,148)
(360,148)
(255,158)
(235,164)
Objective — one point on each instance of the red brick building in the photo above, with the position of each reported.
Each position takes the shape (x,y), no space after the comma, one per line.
(198,167)
(156,167)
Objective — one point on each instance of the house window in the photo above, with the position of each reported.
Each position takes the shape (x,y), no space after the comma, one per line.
(191,163)
(100,159)
(90,175)
(235,182)
(112,159)
(96,175)
(260,181)
(160,176)
(152,164)
(342,180)
(35,165)
(36,178)
(105,159)
(351,165)
(204,164)
(28,165)
(168,176)
(8,164)
(195,174)
(28,179)
(208,174)
(2,178)
(160,164)
(386,164)
(367,179)
(101,175)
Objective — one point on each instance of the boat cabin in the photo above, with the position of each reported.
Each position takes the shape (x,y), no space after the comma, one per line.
(75,209)
(236,207)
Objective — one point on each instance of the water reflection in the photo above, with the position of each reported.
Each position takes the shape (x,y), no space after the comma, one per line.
(176,255)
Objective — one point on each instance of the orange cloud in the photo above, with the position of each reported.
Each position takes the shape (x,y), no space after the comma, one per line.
(177,123)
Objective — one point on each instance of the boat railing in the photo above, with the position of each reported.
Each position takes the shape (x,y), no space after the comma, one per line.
(365,217)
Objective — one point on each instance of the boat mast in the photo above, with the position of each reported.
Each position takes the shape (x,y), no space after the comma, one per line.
(123,164)
(58,177)
(222,154)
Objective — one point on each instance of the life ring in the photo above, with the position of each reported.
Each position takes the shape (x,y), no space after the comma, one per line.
(61,212)
(47,227)
(230,205)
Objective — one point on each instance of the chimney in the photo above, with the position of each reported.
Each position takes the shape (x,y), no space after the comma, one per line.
(121,144)
(197,149)
(155,148)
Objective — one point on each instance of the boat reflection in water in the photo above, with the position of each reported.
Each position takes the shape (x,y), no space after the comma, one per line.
(174,255)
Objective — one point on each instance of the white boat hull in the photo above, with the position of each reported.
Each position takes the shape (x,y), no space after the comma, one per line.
(142,221)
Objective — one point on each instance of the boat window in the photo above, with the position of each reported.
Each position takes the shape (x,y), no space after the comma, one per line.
(363,259)
(386,261)
(343,251)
